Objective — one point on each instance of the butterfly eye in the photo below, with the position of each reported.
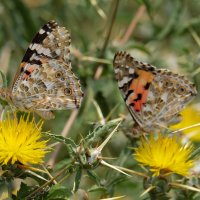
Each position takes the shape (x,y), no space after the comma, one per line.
(181,90)
(58,74)
(67,91)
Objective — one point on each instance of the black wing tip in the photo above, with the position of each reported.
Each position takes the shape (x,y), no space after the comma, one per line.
(121,55)
(52,23)
(124,55)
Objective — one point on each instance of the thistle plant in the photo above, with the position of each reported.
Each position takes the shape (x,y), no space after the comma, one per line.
(93,152)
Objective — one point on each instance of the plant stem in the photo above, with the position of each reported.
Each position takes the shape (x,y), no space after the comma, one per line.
(64,133)
(132,25)
(51,180)
(99,69)
(114,13)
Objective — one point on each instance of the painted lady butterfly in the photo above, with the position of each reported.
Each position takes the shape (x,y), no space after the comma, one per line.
(153,96)
(44,81)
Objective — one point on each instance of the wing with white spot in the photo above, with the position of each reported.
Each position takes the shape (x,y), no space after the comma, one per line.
(154,96)
(51,87)
(51,42)
(171,92)
(45,81)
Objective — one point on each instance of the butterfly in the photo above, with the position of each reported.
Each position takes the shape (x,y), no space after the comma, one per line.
(153,96)
(45,81)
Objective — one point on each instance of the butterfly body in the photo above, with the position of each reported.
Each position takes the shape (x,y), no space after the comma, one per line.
(45,81)
(153,96)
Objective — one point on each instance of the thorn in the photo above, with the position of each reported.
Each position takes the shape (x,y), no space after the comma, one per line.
(177,185)
(188,127)
(106,158)
(114,167)
(99,112)
(37,175)
(147,190)
(108,138)
(133,172)
(113,198)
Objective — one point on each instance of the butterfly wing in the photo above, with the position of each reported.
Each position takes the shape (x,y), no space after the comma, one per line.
(154,96)
(45,81)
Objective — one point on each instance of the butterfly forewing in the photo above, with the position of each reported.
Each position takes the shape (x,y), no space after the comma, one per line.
(33,55)
(154,96)
(45,81)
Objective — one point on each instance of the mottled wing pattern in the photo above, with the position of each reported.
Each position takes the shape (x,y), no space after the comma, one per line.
(45,81)
(154,96)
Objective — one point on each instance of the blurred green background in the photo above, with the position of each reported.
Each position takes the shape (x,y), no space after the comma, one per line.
(164,33)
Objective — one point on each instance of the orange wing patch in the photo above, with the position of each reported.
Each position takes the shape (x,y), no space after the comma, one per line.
(139,89)
(29,71)
(31,68)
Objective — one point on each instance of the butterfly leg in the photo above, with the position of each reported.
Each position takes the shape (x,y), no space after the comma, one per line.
(46,114)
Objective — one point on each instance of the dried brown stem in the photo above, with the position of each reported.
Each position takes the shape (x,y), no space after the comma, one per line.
(49,182)
(114,13)
(64,133)
(132,25)
(5,57)
(99,70)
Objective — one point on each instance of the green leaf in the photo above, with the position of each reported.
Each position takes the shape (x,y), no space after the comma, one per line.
(62,139)
(96,188)
(24,191)
(63,163)
(99,133)
(58,192)
(77,179)
(4,79)
(118,180)
(94,176)
(71,146)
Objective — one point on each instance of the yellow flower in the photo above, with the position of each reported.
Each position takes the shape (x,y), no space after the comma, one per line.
(191,116)
(164,155)
(20,141)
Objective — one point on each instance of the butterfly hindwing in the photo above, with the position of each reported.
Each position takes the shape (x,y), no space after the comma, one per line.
(154,96)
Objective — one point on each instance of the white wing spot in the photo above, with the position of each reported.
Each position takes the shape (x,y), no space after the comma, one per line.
(44,51)
(34,46)
(58,52)
(131,70)
(41,31)
(123,81)
(117,70)
(164,96)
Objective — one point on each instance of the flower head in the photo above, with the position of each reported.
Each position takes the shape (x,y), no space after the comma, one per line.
(20,141)
(164,155)
(191,116)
